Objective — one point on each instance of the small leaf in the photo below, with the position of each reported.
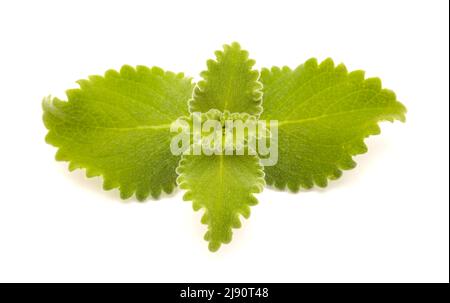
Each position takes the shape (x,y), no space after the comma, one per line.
(324,114)
(224,187)
(223,136)
(230,84)
(118,126)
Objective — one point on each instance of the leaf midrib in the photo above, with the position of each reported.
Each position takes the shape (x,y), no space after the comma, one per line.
(139,127)
(316,118)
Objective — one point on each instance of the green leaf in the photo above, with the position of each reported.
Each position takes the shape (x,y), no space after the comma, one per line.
(324,114)
(118,126)
(224,187)
(230,84)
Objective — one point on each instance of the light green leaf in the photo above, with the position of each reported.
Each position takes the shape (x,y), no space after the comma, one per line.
(324,114)
(118,126)
(230,84)
(224,187)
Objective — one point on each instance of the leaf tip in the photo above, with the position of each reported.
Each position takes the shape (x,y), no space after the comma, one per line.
(214,246)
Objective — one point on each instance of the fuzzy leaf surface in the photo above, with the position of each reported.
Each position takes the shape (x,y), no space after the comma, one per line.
(118,126)
(229,84)
(324,115)
(224,187)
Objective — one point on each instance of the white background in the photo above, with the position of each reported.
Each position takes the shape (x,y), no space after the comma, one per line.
(385,221)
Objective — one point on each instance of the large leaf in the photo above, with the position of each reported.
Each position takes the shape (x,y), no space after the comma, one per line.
(324,114)
(118,126)
(230,84)
(224,187)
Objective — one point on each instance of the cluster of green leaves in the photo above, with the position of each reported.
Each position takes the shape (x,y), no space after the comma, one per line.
(118,126)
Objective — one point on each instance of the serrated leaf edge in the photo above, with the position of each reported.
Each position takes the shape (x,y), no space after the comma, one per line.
(197,205)
(354,148)
(49,102)
(257,91)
